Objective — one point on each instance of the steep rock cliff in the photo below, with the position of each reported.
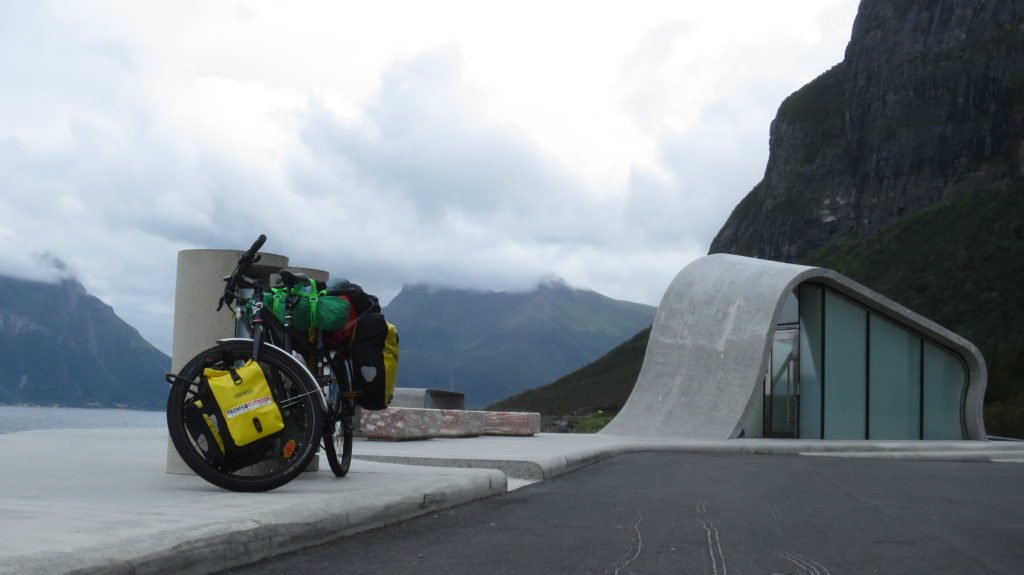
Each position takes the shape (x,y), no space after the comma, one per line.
(927,104)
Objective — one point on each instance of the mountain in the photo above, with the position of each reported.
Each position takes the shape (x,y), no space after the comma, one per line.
(903,168)
(61,346)
(490,345)
(928,104)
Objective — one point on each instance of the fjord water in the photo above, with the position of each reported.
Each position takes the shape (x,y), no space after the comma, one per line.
(19,418)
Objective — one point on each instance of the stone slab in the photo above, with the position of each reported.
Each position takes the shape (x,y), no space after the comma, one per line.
(411,423)
(511,423)
(458,423)
(401,423)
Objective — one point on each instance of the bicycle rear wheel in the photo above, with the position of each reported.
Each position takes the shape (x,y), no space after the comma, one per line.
(339,427)
(265,464)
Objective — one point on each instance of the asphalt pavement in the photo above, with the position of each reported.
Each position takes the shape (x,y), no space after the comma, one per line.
(661,513)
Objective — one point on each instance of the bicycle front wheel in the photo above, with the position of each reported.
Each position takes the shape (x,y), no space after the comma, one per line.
(198,432)
(338,432)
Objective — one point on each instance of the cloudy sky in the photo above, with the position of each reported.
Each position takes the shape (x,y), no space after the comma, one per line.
(468,144)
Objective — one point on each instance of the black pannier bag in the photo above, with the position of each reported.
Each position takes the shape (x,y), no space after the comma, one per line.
(374,353)
(371,342)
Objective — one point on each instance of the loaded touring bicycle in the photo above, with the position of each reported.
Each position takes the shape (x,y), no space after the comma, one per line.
(249,414)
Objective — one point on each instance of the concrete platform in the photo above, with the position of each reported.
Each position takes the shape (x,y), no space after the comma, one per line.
(99,501)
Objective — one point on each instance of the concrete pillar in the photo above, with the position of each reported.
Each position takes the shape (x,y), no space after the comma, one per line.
(197,323)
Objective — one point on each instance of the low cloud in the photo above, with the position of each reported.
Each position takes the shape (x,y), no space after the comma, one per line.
(414,184)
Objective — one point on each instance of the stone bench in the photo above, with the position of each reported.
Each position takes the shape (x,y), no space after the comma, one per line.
(511,423)
(409,423)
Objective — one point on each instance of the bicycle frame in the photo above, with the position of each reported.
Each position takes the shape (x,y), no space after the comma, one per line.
(269,330)
(258,328)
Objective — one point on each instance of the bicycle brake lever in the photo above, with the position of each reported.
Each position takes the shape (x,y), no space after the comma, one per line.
(225,299)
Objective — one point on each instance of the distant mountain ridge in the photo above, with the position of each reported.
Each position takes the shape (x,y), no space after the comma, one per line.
(59,345)
(491,345)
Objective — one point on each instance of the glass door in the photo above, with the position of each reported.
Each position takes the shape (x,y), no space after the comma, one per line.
(782,386)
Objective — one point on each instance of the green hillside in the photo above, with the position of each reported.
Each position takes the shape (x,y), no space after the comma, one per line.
(601,385)
(961,264)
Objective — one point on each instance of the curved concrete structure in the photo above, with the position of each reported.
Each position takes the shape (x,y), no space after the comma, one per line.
(711,342)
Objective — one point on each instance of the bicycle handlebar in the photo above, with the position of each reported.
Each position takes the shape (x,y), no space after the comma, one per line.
(246,260)
(256,245)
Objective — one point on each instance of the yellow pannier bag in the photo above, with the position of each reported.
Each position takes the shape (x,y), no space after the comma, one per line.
(245,400)
(390,362)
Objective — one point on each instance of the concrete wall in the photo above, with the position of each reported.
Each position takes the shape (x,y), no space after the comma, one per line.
(711,343)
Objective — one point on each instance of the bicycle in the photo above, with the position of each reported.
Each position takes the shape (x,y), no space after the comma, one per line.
(314,397)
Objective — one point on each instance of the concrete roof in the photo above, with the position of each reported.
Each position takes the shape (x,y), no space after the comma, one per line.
(711,343)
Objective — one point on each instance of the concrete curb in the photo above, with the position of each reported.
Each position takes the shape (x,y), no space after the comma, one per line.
(543,467)
(226,544)
(517,468)
(534,469)
(957,456)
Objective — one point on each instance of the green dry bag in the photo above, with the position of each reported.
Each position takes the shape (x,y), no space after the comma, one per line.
(310,308)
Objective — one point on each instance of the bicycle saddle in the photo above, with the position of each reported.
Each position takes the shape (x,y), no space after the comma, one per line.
(292,278)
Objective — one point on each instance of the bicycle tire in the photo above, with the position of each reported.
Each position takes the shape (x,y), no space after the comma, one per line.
(267,463)
(339,426)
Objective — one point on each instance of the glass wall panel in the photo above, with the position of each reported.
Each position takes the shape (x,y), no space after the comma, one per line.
(810,361)
(789,313)
(895,380)
(944,381)
(755,421)
(783,383)
(845,368)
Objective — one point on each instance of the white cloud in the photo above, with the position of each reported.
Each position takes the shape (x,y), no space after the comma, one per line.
(465,144)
